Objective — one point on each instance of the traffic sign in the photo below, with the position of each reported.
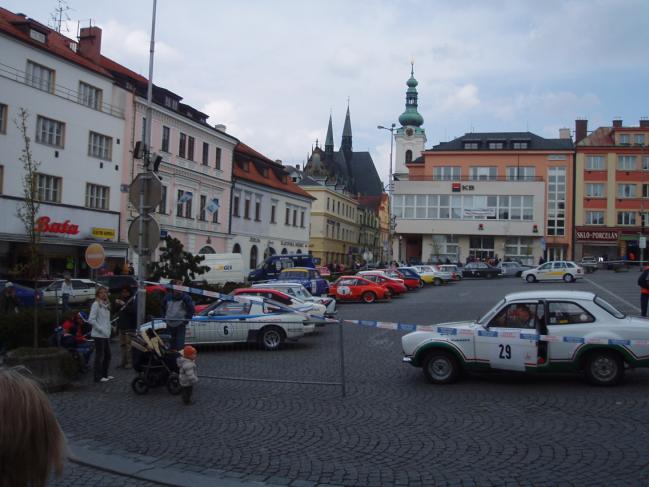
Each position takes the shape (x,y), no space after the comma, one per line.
(150,234)
(95,256)
(150,184)
(643,242)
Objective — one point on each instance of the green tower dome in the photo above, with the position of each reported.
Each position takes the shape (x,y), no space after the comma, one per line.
(411,116)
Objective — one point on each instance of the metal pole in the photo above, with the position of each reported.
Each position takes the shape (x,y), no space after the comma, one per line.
(56,300)
(343,384)
(143,260)
(390,196)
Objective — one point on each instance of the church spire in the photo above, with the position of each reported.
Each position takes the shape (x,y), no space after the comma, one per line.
(411,116)
(329,141)
(346,144)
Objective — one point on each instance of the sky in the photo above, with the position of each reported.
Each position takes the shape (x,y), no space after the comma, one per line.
(273,70)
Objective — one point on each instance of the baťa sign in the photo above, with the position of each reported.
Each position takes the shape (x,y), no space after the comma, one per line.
(597,235)
(45,225)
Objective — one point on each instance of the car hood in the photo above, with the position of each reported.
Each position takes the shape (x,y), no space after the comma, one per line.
(411,341)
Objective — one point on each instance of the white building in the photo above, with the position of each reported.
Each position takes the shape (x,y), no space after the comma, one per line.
(76,125)
(270,213)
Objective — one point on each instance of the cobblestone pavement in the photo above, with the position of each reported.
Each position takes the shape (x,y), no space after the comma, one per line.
(82,476)
(393,428)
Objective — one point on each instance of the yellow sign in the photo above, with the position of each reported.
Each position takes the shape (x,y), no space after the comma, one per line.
(103,232)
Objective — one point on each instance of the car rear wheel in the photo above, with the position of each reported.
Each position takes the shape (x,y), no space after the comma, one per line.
(271,338)
(568,277)
(369,297)
(421,284)
(437,282)
(530,278)
(604,368)
(441,367)
(488,275)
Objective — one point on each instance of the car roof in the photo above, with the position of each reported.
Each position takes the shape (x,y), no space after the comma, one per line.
(288,269)
(556,294)
(271,285)
(246,290)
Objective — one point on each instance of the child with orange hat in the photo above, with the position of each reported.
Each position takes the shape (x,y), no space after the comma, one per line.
(187,373)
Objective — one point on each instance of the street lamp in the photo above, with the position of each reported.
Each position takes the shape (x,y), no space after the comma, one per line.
(391,129)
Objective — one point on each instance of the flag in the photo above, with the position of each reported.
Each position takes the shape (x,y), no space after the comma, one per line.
(186,196)
(213,206)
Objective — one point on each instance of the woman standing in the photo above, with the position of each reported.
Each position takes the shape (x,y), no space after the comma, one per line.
(100,321)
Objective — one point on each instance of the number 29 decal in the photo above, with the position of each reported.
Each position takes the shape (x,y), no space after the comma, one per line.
(505,351)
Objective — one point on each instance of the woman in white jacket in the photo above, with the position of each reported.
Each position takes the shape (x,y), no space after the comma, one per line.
(100,321)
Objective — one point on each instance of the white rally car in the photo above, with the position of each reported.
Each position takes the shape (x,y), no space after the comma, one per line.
(298,291)
(551,331)
(244,319)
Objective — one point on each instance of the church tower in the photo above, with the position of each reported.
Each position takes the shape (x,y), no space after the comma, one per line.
(410,138)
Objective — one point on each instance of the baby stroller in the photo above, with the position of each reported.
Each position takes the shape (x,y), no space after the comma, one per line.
(154,364)
(73,336)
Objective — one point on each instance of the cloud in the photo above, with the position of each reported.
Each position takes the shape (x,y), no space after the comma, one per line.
(460,98)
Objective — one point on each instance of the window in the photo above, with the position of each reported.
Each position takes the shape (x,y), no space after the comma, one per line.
(201,209)
(253,257)
(97,196)
(184,205)
(521,173)
(246,208)
(447,173)
(625,139)
(302,219)
(565,313)
(626,218)
(40,77)
(408,156)
(645,163)
(338,211)
(520,145)
(626,163)
(235,205)
(594,218)
(595,163)
(273,211)
(89,95)
(258,211)
(50,132)
(190,148)
(162,207)
(218,158)
(48,188)
(166,133)
(638,139)
(327,204)
(215,213)
(100,146)
(182,145)
(626,190)
(517,315)
(556,206)
(485,173)
(206,153)
(171,102)
(445,247)
(471,145)
(594,190)
(144,129)
(495,145)
(520,248)
(3,118)
(37,36)
(294,217)
(287,218)
(645,190)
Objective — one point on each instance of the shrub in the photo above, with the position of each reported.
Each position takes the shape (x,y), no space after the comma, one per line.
(17,330)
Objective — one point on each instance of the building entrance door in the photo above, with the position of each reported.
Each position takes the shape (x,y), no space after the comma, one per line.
(556,253)
(413,249)
(481,247)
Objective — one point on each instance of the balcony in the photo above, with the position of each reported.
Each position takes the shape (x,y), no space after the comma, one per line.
(19,76)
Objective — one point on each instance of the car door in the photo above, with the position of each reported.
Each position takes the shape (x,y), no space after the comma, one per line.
(566,319)
(500,344)
(225,322)
(558,270)
(81,292)
(544,272)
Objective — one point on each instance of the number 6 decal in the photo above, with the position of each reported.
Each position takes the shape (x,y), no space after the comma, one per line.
(226,331)
(505,351)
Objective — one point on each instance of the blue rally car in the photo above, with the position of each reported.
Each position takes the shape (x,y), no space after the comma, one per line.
(308,277)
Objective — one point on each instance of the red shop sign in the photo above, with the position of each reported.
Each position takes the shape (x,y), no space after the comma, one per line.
(45,225)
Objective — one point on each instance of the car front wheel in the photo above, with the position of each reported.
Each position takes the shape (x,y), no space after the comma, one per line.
(441,367)
(604,368)
(271,338)
(421,284)
(568,277)
(530,278)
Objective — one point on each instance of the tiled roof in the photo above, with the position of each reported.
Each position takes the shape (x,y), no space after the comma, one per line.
(56,44)
(535,142)
(273,178)
(603,136)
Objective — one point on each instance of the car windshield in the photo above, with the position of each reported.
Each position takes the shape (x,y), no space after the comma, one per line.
(608,307)
(293,275)
(490,314)
(226,308)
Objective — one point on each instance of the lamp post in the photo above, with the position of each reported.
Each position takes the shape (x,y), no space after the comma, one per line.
(390,129)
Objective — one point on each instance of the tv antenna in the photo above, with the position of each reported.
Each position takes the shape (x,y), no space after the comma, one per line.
(60,17)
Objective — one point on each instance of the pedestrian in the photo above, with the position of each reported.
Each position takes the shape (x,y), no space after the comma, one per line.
(99,319)
(177,309)
(131,269)
(643,282)
(541,260)
(32,445)
(187,373)
(126,324)
(9,302)
(66,293)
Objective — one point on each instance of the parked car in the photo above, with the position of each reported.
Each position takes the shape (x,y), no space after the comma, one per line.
(589,264)
(433,274)
(83,291)
(395,286)
(314,310)
(512,269)
(555,270)
(453,270)
(588,334)
(410,275)
(271,267)
(116,283)
(26,295)
(480,269)
(300,292)
(308,277)
(244,319)
(358,288)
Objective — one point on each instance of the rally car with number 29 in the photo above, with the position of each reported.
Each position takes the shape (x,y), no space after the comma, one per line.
(544,331)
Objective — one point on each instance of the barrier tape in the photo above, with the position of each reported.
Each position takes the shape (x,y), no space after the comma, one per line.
(446,330)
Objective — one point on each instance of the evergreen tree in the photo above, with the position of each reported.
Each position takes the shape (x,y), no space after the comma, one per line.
(177,264)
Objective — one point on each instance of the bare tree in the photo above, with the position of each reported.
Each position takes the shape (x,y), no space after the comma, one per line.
(28,210)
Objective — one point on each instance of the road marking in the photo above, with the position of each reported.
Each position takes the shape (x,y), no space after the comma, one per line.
(613,294)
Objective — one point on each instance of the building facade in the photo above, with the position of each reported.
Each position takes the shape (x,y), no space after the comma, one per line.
(270,214)
(76,122)
(611,190)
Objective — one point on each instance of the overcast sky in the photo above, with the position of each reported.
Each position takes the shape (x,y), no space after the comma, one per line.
(273,70)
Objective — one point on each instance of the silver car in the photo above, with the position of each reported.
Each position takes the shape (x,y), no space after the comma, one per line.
(512,269)
(298,291)
(83,291)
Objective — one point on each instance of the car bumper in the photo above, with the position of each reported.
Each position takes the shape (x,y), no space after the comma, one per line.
(407,360)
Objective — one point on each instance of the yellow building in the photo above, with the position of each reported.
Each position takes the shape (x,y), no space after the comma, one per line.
(334,231)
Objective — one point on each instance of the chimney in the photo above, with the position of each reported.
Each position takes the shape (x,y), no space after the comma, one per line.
(220,126)
(644,123)
(278,161)
(564,133)
(90,43)
(617,123)
(581,130)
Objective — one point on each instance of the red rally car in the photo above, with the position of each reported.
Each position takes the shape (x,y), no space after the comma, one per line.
(395,286)
(411,282)
(357,288)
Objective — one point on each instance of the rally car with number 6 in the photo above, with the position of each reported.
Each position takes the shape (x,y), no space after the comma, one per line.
(544,331)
